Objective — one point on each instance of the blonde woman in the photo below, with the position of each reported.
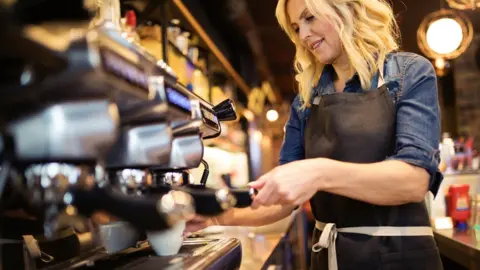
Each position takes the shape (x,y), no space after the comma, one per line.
(361,142)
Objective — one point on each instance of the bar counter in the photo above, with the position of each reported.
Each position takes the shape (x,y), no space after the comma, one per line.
(249,247)
(258,243)
(461,247)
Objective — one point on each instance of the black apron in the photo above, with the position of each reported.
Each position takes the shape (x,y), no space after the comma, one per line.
(360,128)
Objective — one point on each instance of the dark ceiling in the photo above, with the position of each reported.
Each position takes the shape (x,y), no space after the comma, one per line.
(279,50)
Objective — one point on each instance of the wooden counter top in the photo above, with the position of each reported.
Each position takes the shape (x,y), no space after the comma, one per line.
(461,247)
(258,243)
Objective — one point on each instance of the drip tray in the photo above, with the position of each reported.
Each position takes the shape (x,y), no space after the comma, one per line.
(195,254)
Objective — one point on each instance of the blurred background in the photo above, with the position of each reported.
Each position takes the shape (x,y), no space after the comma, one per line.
(234,49)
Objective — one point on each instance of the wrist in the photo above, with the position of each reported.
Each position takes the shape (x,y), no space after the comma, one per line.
(324,174)
(213,221)
(225,219)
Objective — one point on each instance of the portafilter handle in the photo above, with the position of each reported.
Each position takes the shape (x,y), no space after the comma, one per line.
(225,111)
(151,214)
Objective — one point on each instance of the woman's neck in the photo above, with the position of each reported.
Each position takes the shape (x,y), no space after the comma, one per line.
(344,72)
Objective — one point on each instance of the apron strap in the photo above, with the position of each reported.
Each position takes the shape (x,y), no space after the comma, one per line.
(327,240)
(381,79)
(329,235)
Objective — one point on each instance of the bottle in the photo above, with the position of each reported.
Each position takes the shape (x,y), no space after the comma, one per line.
(131,26)
(458,205)
(447,152)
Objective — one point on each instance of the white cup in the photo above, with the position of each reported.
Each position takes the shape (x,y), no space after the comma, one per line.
(167,242)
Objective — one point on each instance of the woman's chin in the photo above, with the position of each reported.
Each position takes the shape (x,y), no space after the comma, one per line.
(324,58)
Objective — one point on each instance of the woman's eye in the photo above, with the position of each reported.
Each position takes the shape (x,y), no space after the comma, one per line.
(296,30)
(310,18)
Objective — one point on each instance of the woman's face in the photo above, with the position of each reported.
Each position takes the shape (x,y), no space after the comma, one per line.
(316,34)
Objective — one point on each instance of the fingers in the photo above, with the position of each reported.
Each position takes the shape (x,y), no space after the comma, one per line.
(259,184)
(266,195)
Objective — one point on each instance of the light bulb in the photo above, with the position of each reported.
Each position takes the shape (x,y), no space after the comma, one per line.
(440,63)
(272,115)
(444,36)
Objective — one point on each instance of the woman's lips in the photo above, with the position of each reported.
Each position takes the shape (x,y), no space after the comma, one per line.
(316,44)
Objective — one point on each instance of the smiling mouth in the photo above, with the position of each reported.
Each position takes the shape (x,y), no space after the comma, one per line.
(316,44)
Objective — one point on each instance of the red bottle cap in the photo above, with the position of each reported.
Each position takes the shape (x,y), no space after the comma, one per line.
(131,18)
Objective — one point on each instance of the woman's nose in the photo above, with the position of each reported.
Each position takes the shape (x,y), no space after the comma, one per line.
(304,33)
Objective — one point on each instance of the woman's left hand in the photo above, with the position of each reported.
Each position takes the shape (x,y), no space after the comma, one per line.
(292,183)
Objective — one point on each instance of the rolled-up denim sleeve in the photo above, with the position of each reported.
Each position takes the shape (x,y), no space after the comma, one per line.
(418,120)
(292,147)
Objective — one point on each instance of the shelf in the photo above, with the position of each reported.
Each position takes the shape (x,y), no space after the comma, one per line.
(180,53)
(181,11)
(211,46)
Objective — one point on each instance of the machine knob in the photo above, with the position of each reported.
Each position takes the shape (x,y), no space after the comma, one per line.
(225,111)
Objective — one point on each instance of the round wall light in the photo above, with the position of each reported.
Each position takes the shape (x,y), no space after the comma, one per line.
(444,34)
(436,39)
(464,4)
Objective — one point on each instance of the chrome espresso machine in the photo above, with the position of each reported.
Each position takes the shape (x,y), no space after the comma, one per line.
(97,138)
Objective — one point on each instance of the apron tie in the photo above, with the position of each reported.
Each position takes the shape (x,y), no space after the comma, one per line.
(329,236)
(327,240)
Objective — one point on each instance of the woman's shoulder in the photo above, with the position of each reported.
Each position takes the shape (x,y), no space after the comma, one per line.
(409,69)
(400,62)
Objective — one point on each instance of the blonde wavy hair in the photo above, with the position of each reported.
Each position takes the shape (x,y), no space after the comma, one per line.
(368,32)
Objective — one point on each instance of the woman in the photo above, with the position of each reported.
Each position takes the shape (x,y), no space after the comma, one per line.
(361,142)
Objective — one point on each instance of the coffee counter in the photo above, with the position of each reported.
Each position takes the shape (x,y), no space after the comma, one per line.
(258,243)
(461,247)
(249,247)
(256,249)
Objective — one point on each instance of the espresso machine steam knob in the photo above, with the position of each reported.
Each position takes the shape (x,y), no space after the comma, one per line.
(225,198)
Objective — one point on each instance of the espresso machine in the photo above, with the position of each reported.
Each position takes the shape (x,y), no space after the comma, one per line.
(94,123)
(61,112)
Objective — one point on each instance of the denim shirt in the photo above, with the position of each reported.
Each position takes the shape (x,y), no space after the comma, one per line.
(412,84)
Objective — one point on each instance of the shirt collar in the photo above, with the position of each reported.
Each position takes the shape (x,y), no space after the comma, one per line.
(325,83)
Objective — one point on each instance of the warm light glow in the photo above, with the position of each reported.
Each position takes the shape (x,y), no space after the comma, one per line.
(444,36)
(249,115)
(464,4)
(440,63)
(267,142)
(272,115)
(257,136)
(70,210)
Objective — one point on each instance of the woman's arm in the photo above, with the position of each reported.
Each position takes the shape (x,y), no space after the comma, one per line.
(242,217)
(255,217)
(389,182)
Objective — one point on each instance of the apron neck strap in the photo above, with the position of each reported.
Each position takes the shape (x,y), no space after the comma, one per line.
(381,79)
